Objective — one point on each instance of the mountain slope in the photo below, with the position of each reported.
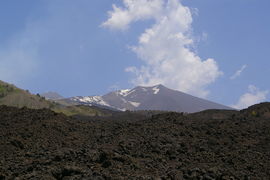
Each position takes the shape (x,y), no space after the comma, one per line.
(10,95)
(149,98)
(52,95)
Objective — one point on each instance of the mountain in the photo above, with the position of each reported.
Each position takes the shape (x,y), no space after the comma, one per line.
(149,98)
(11,95)
(52,95)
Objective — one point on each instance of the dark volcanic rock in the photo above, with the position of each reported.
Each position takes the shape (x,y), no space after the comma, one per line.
(40,144)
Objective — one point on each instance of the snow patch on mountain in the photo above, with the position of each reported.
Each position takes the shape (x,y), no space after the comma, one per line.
(92,99)
(125,101)
(124,92)
(144,89)
(155,89)
(130,92)
(135,104)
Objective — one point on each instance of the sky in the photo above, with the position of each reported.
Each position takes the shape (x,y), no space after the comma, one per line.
(217,50)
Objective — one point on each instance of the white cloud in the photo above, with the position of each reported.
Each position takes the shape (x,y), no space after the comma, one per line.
(134,10)
(238,72)
(166,47)
(253,96)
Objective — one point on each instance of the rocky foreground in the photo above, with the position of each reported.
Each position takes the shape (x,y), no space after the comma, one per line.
(40,144)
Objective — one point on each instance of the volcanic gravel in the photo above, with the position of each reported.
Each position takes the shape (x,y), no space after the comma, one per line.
(41,144)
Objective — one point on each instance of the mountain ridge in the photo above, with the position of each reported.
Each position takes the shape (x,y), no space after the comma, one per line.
(10,95)
(52,95)
(156,97)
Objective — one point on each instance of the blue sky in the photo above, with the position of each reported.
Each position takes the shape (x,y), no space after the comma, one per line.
(218,50)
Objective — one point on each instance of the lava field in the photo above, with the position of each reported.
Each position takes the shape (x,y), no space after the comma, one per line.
(214,144)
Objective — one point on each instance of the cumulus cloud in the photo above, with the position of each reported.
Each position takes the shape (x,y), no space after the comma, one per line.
(238,72)
(120,18)
(253,96)
(166,47)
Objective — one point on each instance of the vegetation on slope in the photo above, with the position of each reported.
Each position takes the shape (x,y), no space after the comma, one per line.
(13,96)
(10,95)
(81,110)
